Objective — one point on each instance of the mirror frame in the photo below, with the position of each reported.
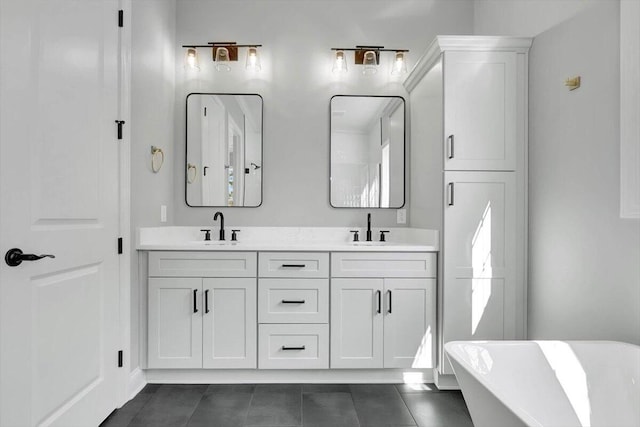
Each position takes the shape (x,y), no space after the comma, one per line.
(404,158)
(186,148)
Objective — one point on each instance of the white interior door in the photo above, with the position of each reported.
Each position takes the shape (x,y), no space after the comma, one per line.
(59,178)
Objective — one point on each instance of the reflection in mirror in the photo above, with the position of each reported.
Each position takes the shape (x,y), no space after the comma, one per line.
(224,150)
(367,151)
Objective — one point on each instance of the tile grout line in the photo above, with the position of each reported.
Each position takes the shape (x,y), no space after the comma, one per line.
(405,405)
(246,415)
(197,405)
(143,406)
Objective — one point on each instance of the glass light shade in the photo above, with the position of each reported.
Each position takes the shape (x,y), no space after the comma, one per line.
(253,59)
(191,59)
(399,64)
(222,59)
(340,64)
(370,62)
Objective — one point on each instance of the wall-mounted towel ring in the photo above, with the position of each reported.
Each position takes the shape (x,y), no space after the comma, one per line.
(192,173)
(157,158)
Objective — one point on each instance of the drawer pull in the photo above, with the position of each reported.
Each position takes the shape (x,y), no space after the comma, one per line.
(288,301)
(294,265)
(206,301)
(195,300)
(389,302)
(292,348)
(379,301)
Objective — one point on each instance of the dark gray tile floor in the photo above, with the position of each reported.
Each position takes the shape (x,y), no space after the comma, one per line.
(292,405)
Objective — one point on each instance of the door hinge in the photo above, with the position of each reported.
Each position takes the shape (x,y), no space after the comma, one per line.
(120,123)
(119,245)
(120,358)
(121,18)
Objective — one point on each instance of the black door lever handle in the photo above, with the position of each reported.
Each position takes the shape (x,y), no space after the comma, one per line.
(15,256)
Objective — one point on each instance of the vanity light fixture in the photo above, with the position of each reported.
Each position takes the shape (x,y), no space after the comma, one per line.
(340,64)
(369,58)
(253,59)
(191,59)
(223,53)
(399,64)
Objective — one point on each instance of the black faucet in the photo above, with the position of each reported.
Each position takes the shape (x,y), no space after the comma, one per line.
(215,218)
(369,227)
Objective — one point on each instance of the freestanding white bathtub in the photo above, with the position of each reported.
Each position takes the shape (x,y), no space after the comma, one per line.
(548,383)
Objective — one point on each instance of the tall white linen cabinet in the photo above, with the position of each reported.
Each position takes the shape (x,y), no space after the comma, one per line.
(468,132)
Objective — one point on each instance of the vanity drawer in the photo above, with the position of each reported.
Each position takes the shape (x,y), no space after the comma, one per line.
(293,346)
(383,264)
(293,264)
(293,300)
(202,264)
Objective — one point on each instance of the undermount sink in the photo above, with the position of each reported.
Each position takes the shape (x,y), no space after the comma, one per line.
(369,243)
(213,243)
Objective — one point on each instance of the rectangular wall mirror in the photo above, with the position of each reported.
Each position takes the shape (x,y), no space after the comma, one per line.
(367,151)
(224,150)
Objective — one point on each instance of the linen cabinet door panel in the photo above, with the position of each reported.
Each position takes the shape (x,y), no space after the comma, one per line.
(480,93)
(229,323)
(478,313)
(356,323)
(175,323)
(479,249)
(479,226)
(409,323)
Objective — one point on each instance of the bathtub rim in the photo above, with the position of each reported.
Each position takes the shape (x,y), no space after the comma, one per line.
(517,410)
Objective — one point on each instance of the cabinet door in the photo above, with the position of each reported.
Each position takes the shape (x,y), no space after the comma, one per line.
(175,323)
(229,323)
(356,323)
(479,256)
(480,95)
(409,323)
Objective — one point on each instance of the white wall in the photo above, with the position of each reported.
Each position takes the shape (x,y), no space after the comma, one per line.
(152,123)
(524,17)
(297,84)
(584,271)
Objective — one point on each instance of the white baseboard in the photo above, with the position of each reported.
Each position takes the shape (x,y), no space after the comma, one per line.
(282,376)
(137,381)
(445,382)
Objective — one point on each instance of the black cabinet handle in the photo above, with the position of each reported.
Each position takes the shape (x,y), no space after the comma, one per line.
(379,301)
(15,256)
(286,301)
(195,300)
(389,302)
(294,265)
(450,139)
(206,301)
(292,348)
(451,194)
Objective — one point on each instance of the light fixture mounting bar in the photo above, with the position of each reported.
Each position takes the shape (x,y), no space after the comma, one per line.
(374,48)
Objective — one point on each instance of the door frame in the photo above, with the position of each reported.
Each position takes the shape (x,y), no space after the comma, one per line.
(129,382)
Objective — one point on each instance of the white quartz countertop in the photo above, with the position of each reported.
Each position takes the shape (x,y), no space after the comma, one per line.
(328,239)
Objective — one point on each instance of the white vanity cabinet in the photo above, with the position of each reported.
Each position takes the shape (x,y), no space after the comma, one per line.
(202,310)
(293,310)
(382,310)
